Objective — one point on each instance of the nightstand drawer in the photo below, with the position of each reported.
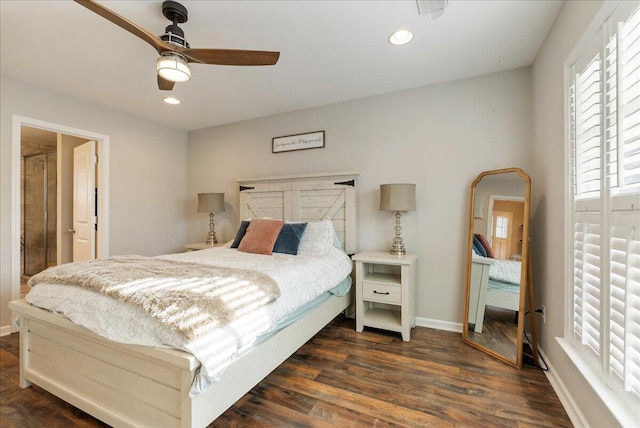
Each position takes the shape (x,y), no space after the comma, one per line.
(382,293)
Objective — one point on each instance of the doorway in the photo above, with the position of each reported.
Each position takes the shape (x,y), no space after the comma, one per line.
(505,226)
(31,195)
(38,202)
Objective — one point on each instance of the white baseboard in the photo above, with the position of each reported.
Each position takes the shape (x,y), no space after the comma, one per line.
(567,400)
(5,330)
(439,324)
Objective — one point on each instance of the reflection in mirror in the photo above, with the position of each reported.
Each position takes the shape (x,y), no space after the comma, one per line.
(497,263)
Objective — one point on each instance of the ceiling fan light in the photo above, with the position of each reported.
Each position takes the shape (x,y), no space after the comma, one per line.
(173,67)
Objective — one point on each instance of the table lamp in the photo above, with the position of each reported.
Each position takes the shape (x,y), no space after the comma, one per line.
(398,198)
(211,203)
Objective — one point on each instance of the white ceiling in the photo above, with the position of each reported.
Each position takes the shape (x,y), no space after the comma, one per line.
(331,51)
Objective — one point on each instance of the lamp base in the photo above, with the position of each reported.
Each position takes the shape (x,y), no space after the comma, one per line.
(397,248)
(211,236)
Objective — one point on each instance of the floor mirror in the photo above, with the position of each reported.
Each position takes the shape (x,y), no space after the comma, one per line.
(498,284)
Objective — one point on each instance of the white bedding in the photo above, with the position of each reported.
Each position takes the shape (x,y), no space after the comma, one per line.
(301,279)
(505,270)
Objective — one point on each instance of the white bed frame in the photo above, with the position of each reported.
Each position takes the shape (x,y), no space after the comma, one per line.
(481,295)
(128,385)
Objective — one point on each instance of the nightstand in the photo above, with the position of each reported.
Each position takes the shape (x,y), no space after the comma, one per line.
(202,246)
(385,291)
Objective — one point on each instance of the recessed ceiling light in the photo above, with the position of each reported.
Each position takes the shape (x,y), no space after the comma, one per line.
(400,37)
(171,100)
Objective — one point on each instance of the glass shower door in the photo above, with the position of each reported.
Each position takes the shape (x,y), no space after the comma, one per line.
(39,222)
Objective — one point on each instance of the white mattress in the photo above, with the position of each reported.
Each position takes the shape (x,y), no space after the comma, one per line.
(301,279)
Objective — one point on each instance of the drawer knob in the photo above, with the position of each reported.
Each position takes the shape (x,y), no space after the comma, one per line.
(386,293)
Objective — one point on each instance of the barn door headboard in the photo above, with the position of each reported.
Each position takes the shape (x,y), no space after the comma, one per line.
(309,197)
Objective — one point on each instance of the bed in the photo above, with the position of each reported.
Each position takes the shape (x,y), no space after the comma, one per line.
(494,282)
(136,385)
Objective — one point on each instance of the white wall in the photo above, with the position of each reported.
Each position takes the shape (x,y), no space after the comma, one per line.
(548,199)
(148,181)
(438,137)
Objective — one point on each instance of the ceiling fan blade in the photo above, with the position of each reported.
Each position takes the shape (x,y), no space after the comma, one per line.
(164,84)
(125,24)
(230,56)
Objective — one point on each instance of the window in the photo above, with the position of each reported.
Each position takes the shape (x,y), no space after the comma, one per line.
(604,133)
(502,226)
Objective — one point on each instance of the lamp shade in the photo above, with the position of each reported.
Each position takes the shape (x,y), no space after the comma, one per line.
(210,202)
(398,197)
(173,67)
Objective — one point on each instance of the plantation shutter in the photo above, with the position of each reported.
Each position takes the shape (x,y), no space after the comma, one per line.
(604,101)
(586,296)
(586,134)
(588,130)
(624,250)
(624,337)
(629,173)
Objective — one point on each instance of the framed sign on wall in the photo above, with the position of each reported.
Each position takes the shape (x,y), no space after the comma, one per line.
(288,143)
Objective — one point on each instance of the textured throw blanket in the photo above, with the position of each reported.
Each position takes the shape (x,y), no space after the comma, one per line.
(505,270)
(190,298)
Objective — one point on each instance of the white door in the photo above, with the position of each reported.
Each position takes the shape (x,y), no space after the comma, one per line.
(501,240)
(84,202)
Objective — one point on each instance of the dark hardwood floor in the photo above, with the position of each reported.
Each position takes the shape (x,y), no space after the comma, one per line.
(348,379)
(499,331)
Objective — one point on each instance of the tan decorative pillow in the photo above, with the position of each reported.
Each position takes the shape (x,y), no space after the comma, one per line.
(261,236)
(485,244)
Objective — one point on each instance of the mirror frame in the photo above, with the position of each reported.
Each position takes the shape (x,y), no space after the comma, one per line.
(525,269)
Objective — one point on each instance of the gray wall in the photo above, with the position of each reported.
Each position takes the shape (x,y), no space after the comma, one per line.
(148,178)
(439,137)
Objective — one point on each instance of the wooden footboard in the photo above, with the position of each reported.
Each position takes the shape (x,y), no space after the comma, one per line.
(129,385)
(122,385)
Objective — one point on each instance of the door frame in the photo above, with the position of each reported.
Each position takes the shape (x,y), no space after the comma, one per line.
(493,198)
(102,182)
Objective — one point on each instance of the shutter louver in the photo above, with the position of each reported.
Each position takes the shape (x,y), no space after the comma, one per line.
(587,280)
(588,131)
(624,291)
(630,172)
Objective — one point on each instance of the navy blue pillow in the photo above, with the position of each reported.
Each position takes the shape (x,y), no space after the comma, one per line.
(289,238)
(478,247)
(240,234)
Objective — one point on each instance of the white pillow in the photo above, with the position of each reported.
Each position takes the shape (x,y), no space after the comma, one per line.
(317,236)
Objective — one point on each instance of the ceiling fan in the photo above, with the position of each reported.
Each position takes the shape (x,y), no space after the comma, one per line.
(175,52)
